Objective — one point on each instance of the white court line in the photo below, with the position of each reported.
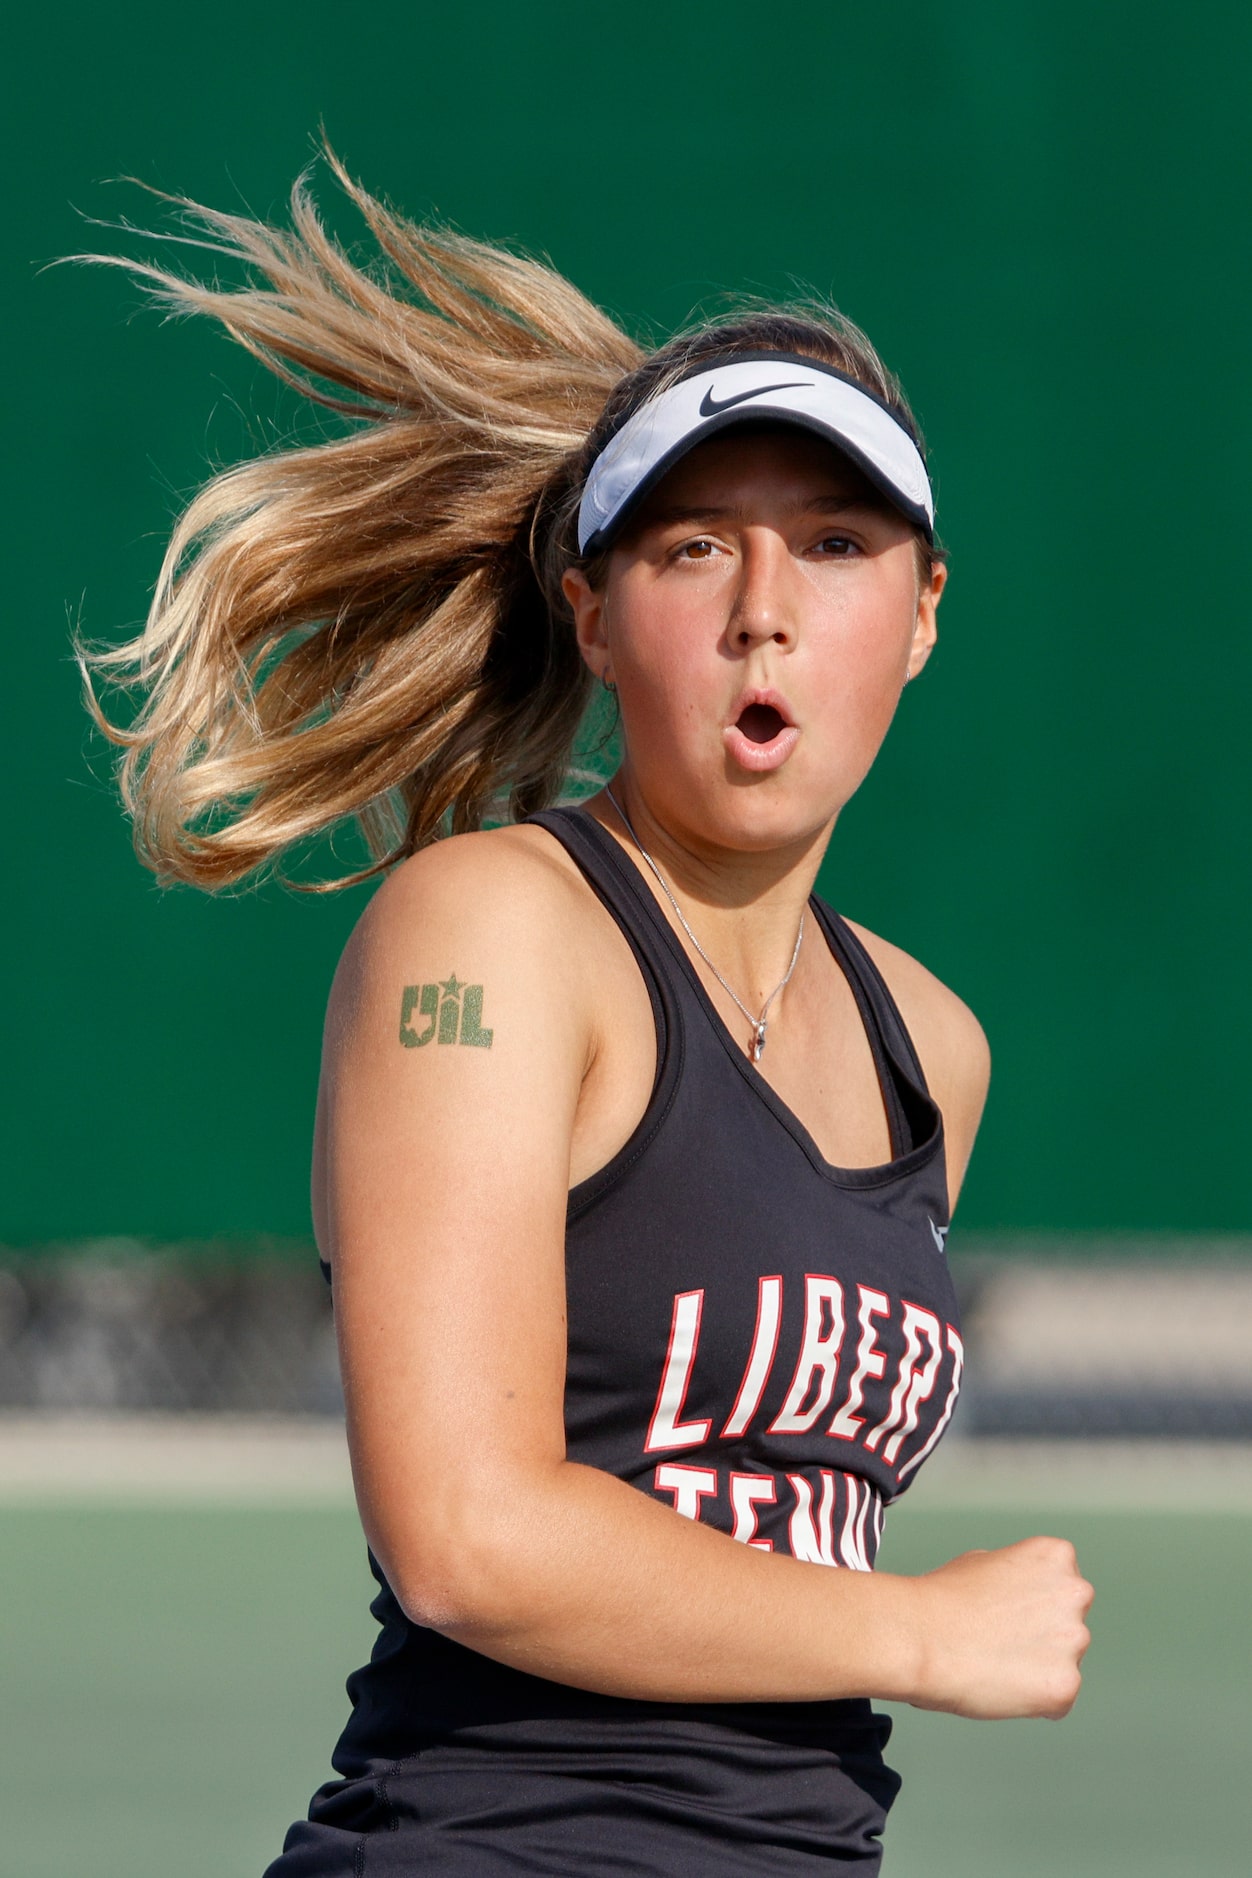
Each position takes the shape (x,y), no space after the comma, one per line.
(173,1460)
(1094,1476)
(170,1460)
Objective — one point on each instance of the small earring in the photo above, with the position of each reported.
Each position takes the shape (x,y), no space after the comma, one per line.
(607,682)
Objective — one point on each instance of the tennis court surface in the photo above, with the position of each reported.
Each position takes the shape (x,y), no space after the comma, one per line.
(177,1633)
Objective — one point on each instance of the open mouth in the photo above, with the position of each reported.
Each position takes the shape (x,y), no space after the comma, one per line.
(761,723)
(762,737)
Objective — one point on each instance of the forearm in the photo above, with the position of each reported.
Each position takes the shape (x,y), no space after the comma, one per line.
(584,1580)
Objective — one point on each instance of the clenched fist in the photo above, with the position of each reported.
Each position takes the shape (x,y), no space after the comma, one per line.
(1003,1633)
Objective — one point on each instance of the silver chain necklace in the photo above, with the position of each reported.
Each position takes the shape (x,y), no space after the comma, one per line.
(758,1023)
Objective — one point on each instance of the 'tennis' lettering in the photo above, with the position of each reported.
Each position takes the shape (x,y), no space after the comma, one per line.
(454,1012)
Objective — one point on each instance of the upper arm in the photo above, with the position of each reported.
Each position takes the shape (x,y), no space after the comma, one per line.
(950,1044)
(443,1170)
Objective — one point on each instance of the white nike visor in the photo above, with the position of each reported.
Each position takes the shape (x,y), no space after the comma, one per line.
(778,387)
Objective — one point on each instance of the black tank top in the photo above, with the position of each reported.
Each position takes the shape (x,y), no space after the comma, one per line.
(765,1342)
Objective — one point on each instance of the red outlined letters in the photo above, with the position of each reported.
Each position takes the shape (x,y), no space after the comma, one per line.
(871,1361)
(689,1485)
(761,1357)
(818,1363)
(747,1492)
(665,1429)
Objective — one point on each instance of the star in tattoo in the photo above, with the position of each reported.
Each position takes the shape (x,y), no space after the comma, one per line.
(452,986)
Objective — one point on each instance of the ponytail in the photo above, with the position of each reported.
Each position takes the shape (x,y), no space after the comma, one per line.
(356,628)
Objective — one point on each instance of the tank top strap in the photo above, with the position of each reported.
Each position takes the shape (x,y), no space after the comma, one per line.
(913,1112)
(911,1107)
(865,973)
(618,887)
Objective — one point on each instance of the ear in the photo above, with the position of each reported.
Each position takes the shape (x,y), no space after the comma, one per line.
(587,605)
(925,628)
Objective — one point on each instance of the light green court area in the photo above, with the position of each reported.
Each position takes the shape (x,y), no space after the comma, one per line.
(1149,1775)
(173,1682)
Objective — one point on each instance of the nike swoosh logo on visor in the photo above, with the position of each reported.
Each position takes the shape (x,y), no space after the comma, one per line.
(710,406)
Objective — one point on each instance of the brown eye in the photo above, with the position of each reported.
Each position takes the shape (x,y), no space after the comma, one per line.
(699,550)
(837,545)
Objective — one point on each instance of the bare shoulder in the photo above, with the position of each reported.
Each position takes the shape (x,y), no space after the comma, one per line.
(499,873)
(502,892)
(504,908)
(949,1041)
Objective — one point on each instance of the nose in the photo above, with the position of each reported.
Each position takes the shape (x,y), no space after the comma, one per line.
(762,611)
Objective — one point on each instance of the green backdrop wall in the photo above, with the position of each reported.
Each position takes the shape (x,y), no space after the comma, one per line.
(1040,214)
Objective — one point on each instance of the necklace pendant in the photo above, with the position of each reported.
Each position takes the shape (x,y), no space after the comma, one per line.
(758,1043)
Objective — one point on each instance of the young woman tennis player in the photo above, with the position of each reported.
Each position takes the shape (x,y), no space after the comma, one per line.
(635,1160)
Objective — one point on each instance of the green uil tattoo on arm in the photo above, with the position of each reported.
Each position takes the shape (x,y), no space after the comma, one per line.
(453,1012)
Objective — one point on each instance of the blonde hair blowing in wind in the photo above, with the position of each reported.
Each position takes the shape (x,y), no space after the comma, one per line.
(373,626)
